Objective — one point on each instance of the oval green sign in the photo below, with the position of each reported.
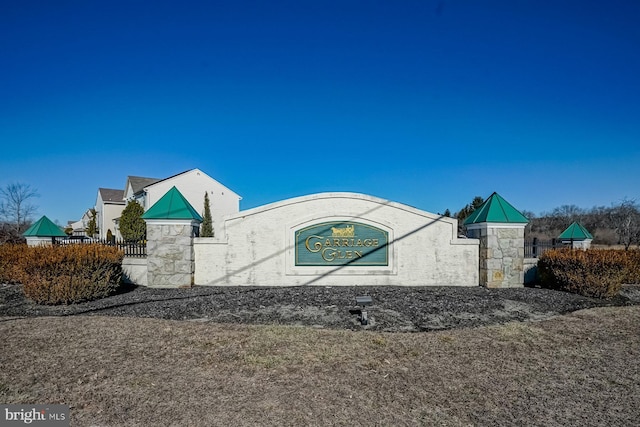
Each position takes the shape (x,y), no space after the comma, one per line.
(341,243)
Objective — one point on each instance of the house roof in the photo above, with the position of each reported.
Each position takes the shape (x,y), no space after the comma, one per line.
(192,170)
(173,176)
(496,209)
(111,195)
(575,232)
(44,228)
(138,182)
(172,205)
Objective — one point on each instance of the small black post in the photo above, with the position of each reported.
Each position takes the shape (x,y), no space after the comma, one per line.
(363,301)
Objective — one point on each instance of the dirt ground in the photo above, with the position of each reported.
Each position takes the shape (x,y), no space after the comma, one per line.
(242,357)
(577,369)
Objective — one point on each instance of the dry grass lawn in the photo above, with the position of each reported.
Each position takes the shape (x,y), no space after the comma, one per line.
(579,369)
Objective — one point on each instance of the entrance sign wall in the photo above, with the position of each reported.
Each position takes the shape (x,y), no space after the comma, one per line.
(336,239)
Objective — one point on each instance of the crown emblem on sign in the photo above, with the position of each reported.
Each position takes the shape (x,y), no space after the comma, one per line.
(347,231)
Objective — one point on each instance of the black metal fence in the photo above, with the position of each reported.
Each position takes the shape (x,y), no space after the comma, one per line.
(534,248)
(137,249)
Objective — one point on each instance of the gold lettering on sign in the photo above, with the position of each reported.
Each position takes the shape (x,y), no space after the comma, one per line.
(347,231)
(315,243)
(329,254)
(338,243)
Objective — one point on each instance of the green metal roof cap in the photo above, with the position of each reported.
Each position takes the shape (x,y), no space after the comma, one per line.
(172,205)
(44,228)
(496,209)
(575,232)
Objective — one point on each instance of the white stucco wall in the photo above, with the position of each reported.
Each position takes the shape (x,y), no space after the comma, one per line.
(134,270)
(256,247)
(38,241)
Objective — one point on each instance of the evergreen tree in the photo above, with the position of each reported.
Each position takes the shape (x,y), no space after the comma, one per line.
(132,226)
(468,210)
(92,227)
(463,213)
(207,222)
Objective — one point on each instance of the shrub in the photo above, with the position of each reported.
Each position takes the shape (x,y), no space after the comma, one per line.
(633,266)
(71,273)
(12,261)
(592,273)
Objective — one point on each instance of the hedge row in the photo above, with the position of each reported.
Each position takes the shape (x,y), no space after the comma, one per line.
(62,274)
(12,262)
(592,273)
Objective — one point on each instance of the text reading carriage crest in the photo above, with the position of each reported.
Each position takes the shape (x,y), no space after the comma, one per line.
(342,243)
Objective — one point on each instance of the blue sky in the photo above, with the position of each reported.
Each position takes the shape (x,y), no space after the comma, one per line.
(427,103)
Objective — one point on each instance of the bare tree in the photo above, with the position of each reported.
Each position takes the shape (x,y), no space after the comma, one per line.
(551,224)
(16,207)
(625,220)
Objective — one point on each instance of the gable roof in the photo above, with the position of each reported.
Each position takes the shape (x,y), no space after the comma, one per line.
(172,205)
(496,209)
(197,171)
(139,182)
(44,228)
(575,232)
(111,195)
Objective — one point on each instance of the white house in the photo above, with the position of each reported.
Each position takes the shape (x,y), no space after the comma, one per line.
(80,227)
(134,189)
(192,184)
(109,206)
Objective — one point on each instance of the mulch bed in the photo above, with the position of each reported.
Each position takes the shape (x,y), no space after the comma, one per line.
(394,309)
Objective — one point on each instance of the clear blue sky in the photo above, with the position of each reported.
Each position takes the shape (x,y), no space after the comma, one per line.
(427,103)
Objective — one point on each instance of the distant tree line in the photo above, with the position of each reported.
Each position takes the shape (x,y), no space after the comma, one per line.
(618,224)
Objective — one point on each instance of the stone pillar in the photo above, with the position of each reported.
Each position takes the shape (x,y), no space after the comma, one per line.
(501,253)
(170,259)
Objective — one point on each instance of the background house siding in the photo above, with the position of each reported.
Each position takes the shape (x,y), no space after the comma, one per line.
(192,185)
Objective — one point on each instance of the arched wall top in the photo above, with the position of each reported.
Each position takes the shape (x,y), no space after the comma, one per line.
(340,195)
